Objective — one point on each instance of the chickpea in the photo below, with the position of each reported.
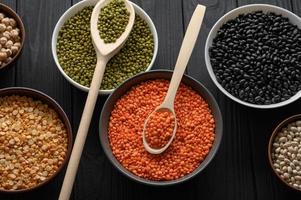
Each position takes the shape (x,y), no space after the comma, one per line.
(17,29)
(12,22)
(5,21)
(14,49)
(3,40)
(17,44)
(9,28)
(8,52)
(2,28)
(9,44)
(3,56)
(14,33)
(6,34)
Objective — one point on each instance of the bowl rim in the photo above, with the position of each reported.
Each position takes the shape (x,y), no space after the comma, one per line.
(209,68)
(11,13)
(38,95)
(214,149)
(86,2)
(281,125)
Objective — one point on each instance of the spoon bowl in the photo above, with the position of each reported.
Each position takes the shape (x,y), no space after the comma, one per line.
(148,147)
(110,49)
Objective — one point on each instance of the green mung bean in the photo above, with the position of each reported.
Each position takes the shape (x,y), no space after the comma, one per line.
(112,21)
(77,56)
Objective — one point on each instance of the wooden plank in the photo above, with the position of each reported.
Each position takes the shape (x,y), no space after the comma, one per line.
(282,3)
(296,7)
(7,75)
(240,170)
(215,9)
(36,68)
(11,3)
(230,175)
(167,17)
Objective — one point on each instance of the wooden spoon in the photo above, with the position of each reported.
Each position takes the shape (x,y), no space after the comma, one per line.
(104,51)
(188,43)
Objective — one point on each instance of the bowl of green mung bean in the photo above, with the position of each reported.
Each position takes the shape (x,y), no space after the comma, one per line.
(75,57)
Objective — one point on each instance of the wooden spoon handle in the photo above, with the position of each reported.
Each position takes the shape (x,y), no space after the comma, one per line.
(188,43)
(82,130)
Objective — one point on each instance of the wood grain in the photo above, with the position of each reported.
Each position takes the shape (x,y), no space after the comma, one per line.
(215,9)
(167,17)
(240,169)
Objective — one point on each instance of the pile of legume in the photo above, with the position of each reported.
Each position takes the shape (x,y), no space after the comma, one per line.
(159,129)
(257,57)
(194,136)
(77,57)
(10,40)
(112,21)
(33,142)
(286,154)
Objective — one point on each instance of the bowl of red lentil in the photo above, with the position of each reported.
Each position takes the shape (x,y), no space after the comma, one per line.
(197,138)
(35,139)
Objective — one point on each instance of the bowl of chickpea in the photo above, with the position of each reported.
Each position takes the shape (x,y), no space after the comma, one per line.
(12,35)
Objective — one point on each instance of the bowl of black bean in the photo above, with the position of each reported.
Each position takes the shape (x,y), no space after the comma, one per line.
(253,55)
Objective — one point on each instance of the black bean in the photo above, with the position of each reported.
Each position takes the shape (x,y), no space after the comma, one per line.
(257,57)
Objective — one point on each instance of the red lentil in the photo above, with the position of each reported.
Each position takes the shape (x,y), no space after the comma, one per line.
(194,136)
(159,129)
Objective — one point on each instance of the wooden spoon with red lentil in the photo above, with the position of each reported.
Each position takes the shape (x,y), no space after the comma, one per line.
(160,126)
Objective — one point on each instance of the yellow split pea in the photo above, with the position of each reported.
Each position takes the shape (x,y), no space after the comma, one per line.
(33,142)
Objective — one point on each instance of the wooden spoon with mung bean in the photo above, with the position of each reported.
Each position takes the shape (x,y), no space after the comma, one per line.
(104,51)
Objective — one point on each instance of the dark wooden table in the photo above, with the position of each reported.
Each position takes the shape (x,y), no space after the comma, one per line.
(239,171)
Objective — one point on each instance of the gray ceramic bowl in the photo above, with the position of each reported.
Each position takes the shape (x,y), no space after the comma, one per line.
(158,74)
(294,19)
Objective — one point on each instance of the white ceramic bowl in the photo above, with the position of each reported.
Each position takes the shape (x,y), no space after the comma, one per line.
(75,9)
(294,19)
